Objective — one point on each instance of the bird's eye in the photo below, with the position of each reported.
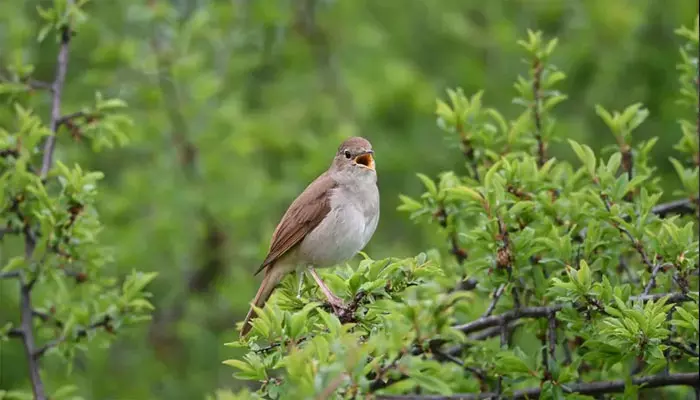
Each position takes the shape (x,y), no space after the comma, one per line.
(347,154)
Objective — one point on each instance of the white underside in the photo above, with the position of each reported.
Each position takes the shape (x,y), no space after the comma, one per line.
(345,231)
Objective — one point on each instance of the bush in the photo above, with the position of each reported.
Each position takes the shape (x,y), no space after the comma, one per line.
(68,294)
(565,280)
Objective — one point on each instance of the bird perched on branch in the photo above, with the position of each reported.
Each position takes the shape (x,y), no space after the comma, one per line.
(329,223)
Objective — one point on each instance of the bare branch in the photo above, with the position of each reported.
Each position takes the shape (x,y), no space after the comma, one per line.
(39,85)
(682,347)
(15,333)
(28,341)
(592,388)
(682,207)
(496,295)
(652,280)
(538,68)
(9,275)
(65,119)
(60,79)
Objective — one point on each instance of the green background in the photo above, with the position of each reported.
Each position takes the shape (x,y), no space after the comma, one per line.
(238,105)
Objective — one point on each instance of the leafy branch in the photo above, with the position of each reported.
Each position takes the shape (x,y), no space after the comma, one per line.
(592,388)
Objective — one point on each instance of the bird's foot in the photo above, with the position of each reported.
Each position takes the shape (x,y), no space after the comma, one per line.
(344,313)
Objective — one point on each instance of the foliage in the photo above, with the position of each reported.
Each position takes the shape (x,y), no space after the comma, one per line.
(235,108)
(66,289)
(581,275)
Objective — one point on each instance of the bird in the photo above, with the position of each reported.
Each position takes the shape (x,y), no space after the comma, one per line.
(331,221)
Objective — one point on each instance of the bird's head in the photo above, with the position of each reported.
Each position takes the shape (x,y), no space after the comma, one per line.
(354,160)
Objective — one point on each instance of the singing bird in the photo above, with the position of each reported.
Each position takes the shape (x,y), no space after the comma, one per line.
(328,224)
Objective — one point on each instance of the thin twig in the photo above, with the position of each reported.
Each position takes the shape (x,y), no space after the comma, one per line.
(682,347)
(635,243)
(496,295)
(652,280)
(40,85)
(65,119)
(5,231)
(102,323)
(62,67)
(45,317)
(591,388)
(537,111)
(9,275)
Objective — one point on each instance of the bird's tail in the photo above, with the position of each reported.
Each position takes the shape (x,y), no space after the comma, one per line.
(273,276)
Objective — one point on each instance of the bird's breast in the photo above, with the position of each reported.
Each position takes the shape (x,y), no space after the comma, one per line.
(345,230)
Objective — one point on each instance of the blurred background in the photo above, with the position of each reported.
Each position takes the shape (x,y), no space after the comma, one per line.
(239,104)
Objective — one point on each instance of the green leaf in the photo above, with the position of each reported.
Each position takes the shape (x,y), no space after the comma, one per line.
(430,383)
(14,264)
(429,184)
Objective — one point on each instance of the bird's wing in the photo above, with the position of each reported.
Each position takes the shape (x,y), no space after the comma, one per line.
(305,213)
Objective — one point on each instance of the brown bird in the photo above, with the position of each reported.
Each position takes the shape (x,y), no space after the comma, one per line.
(329,223)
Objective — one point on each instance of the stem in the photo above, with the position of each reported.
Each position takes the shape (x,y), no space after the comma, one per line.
(26,309)
(57,90)
(27,333)
(537,112)
(496,295)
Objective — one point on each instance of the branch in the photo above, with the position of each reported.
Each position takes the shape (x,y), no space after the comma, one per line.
(27,335)
(39,85)
(592,388)
(102,323)
(675,207)
(26,310)
(652,280)
(544,311)
(61,69)
(682,347)
(496,295)
(537,112)
(9,275)
(69,118)
(683,206)
(635,243)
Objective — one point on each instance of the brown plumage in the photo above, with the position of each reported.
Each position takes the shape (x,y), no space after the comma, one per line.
(305,213)
(352,170)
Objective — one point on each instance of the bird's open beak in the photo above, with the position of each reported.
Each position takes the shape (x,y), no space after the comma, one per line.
(366,159)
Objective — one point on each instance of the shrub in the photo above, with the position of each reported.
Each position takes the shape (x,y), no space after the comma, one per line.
(50,226)
(565,279)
